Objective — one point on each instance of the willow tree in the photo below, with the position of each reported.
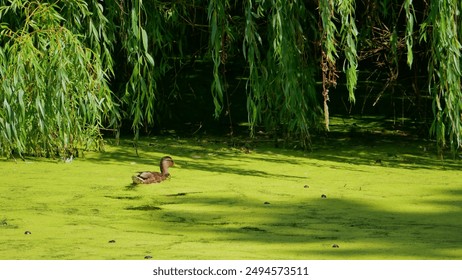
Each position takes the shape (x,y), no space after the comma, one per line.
(54,92)
(71,68)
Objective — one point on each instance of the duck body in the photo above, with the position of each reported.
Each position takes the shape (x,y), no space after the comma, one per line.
(148,177)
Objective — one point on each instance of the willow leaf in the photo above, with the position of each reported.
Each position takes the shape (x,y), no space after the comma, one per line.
(145,39)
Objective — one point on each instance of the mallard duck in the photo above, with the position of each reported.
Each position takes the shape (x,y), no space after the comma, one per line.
(148,177)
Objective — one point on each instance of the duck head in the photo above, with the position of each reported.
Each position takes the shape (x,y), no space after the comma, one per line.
(165,163)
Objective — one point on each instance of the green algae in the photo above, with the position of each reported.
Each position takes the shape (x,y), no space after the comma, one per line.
(228,202)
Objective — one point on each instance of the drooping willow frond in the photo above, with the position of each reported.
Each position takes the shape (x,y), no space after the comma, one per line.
(349,34)
(281,93)
(410,18)
(53,88)
(445,72)
(328,52)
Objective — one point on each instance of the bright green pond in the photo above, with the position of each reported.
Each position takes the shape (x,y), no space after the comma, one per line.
(225,203)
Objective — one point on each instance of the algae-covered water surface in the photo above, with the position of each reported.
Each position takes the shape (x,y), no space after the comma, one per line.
(340,201)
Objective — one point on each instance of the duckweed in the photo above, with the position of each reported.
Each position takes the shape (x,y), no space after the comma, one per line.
(216,204)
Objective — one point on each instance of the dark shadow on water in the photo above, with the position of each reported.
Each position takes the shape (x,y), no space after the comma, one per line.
(181,194)
(355,141)
(347,223)
(131,187)
(144,208)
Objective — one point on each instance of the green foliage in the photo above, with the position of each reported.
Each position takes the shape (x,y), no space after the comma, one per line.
(410,18)
(281,86)
(349,34)
(140,88)
(150,37)
(329,54)
(219,30)
(257,71)
(443,25)
(54,90)
(69,68)
(329,29)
